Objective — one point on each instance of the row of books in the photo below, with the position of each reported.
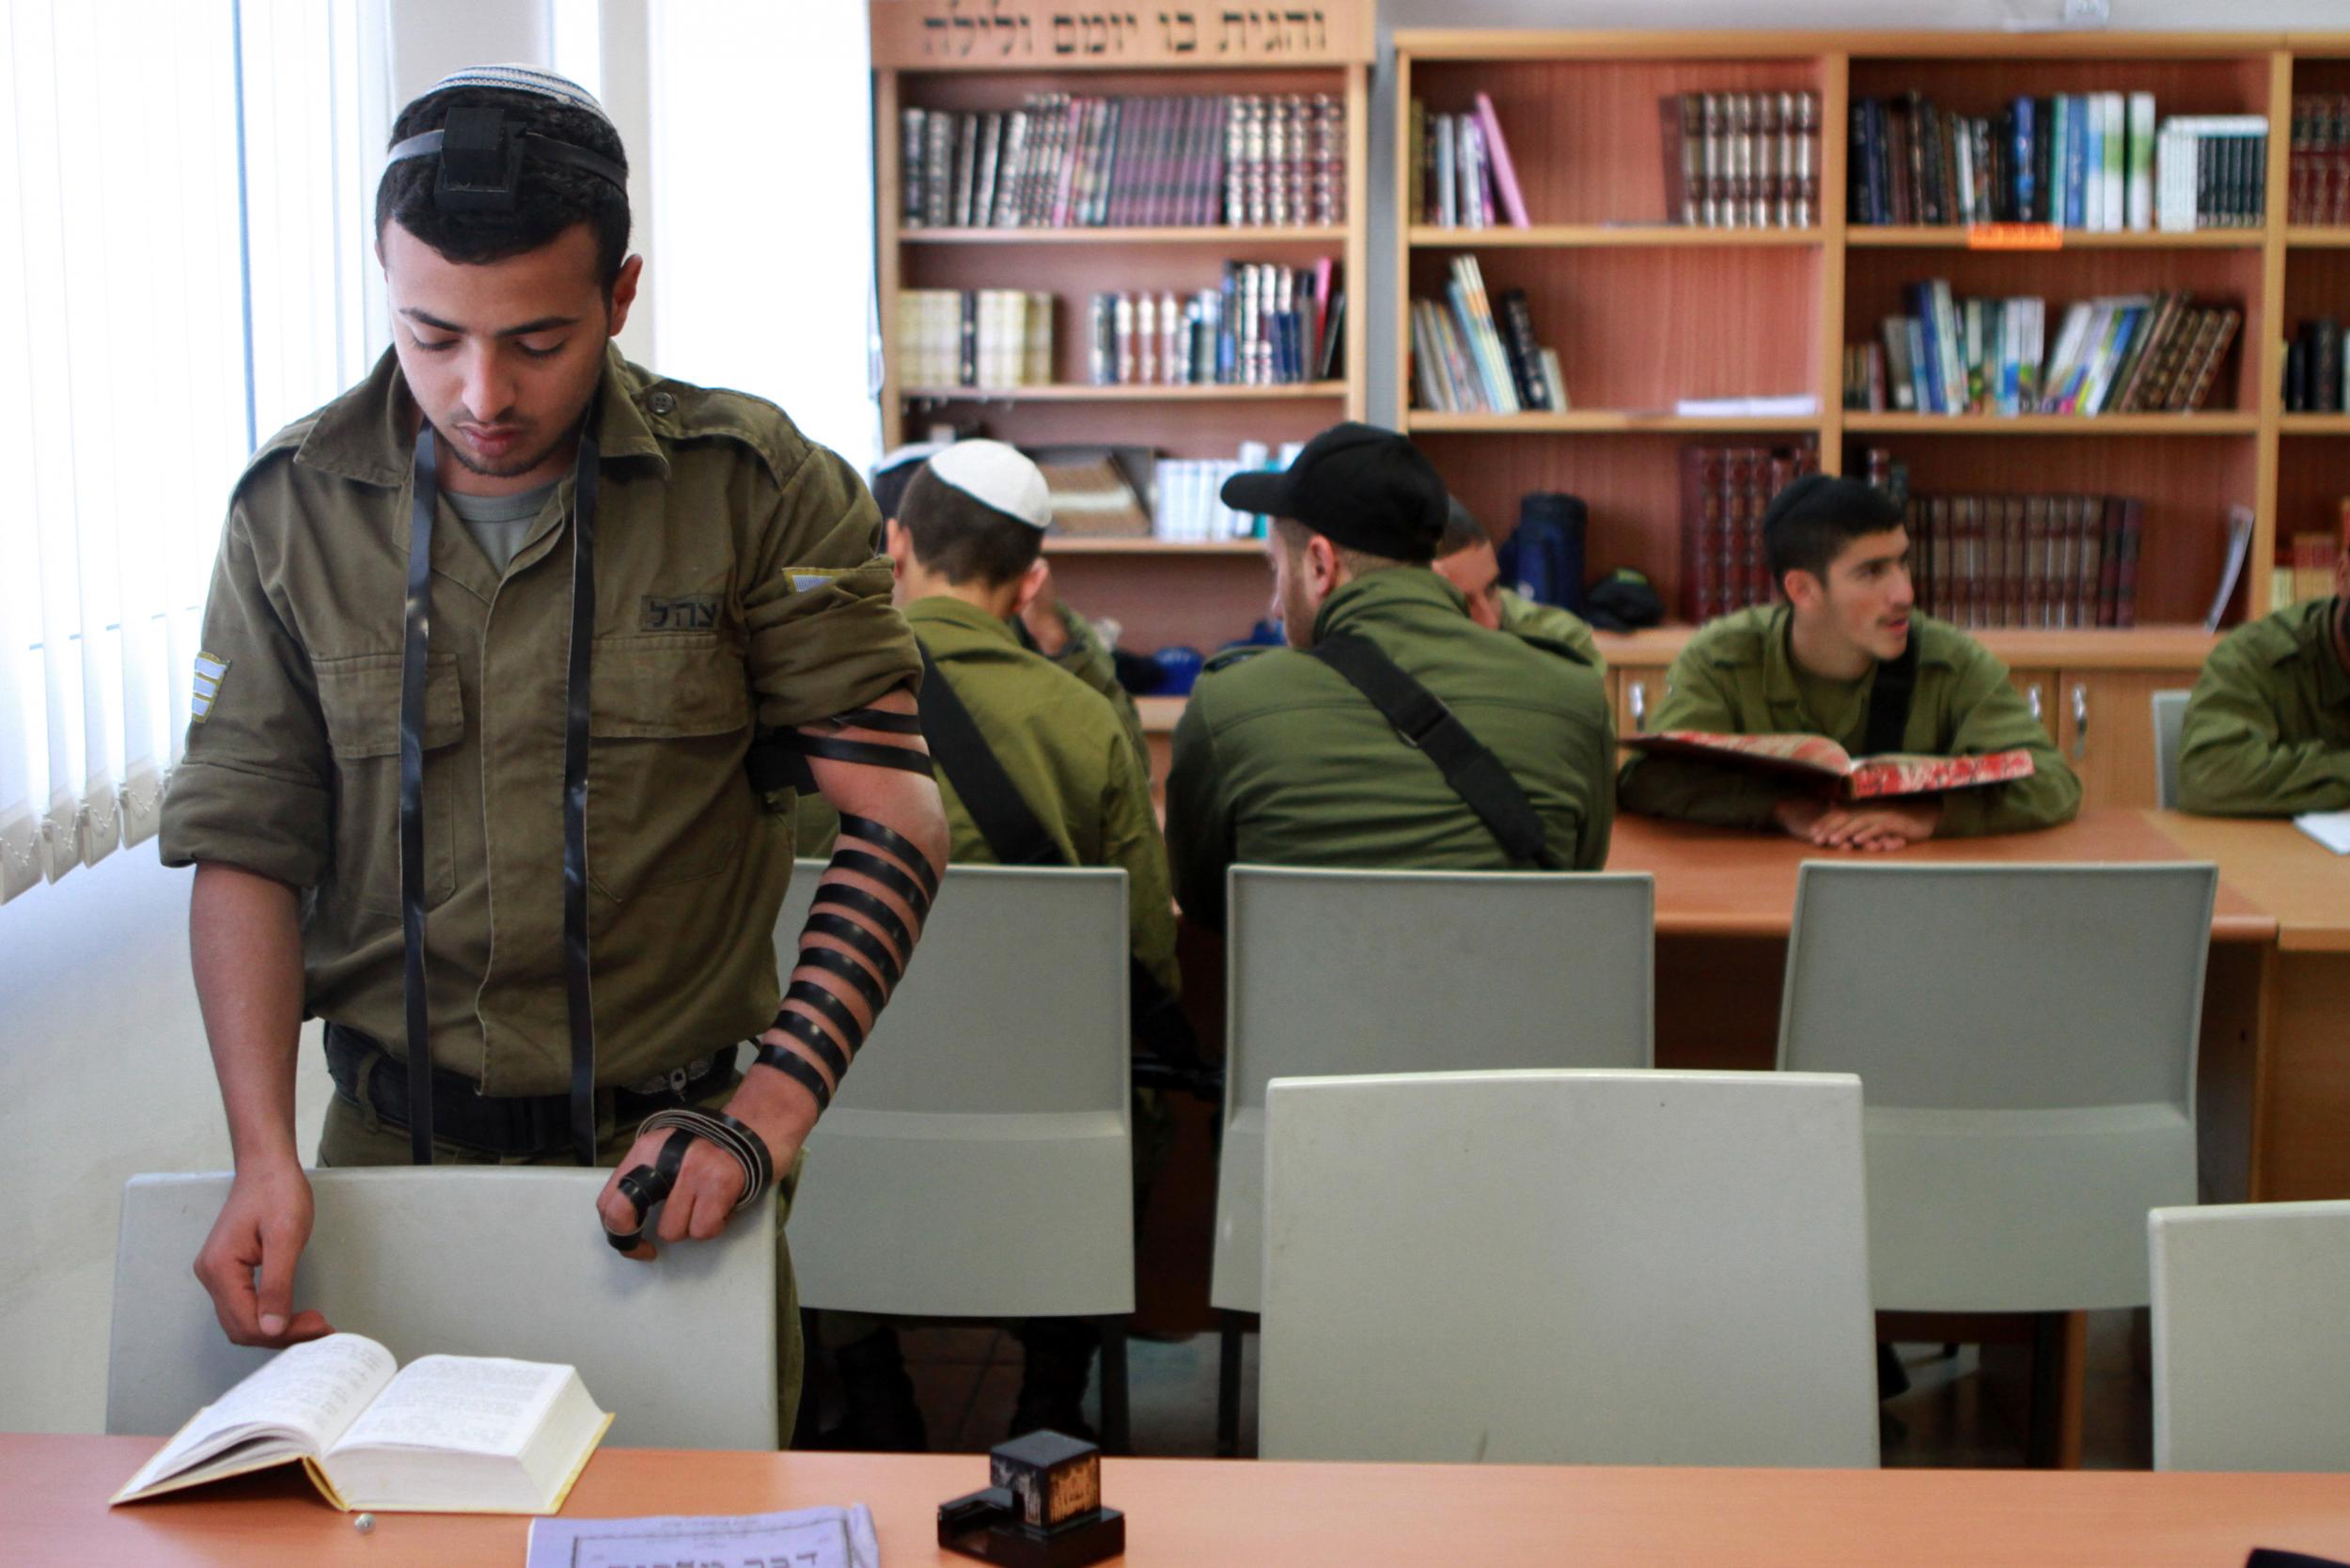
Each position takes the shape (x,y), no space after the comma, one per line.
(974,337)
(2061,561)
(2305,564)
(1190,504)
(1063,161)
(2097,162)
(2123,353)
(1724,493)
(1264,325)
(2314,383)
(2317,178)
(1741,160)
(1461,173)
(1471,354)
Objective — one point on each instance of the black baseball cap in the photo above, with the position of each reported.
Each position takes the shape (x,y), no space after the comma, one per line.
(1358,486)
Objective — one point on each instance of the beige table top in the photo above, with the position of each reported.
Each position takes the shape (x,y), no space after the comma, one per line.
(1191,1513)
(2282,870)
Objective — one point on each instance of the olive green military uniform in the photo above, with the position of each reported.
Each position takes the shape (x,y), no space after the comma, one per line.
(1279,760)
(1066,753)
(1088,658)
(735,578)
(1737,677)
(2267,732)
(1548,625)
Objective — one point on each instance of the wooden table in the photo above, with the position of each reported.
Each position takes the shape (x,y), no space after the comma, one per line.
(1187,1514)
(2300,1108)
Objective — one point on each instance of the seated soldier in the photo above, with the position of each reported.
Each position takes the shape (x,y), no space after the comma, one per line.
(1290,754)
(1045,624)
(1816,664)
(1466,557)
(1035,769)
(2267,732)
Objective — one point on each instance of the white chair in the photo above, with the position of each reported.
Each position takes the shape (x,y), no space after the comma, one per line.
(2169,711)
(1575,1267)
(2026,1038)
(2251,1336)
(1360,971)
(979,1158)
(467,1261)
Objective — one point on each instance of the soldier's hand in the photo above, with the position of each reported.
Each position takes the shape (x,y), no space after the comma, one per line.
(1797,815)
(1886,825)
(247,1263)
(709,1182)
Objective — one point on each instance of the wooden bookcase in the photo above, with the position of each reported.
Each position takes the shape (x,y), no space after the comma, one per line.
(1643,313)
(957,55)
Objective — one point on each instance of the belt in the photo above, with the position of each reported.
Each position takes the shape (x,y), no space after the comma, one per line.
(505,1125)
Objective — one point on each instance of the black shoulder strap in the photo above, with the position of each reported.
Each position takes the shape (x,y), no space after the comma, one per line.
(1423,720)
(981,782)
(1012,830)
(1889,701)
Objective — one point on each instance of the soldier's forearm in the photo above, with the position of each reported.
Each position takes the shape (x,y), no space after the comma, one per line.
(1693,791)
(244,944)
(2255,778)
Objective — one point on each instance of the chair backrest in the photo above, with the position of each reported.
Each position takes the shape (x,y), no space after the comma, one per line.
(1568,1267)
(978,1161)
(466,1260)
(2251,1336)
(1358,971)
(2026,1037)
(2169,710)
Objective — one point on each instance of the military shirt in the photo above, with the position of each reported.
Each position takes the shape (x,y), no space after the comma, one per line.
(2267,732)
(1088,658)
(735,578)
(1548,625)
(1738,677)
(1066,753)
(1279,760)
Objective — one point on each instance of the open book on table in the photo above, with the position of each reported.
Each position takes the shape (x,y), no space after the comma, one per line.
(446,1435)
(1821,761)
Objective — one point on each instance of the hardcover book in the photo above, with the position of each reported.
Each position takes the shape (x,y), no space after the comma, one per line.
(445,1435)
(1820,762)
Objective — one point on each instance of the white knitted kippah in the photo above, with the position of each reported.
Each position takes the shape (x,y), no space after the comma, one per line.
(523,78)
(997,476)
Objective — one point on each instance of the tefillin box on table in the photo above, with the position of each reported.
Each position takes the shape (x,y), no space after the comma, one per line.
(1043,1510)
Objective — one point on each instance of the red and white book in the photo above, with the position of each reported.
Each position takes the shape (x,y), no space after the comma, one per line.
(1820,760)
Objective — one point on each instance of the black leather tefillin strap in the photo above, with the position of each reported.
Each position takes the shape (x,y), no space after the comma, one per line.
(647,1185)
(918,887)
(423,508)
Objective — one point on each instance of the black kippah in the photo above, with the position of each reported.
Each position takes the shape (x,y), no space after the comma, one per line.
(1825,498)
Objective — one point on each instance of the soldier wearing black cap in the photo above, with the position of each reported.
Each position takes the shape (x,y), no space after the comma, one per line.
(1392,731)
(1842,657)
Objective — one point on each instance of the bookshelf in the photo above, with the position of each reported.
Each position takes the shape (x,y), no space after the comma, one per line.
(943,55)
(1644,312)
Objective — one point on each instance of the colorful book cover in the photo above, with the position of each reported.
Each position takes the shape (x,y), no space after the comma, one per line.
(1822,762)
(1504,172)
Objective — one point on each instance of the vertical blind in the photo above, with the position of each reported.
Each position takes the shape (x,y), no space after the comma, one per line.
(183,267)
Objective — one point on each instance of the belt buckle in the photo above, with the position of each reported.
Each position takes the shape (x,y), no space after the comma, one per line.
(678,1078)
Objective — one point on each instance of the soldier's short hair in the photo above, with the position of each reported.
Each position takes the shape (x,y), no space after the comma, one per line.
(960,536)
(1294,535)
(1809,523)
(1462,531)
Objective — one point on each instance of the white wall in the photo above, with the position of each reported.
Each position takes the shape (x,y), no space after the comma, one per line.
(104,1073)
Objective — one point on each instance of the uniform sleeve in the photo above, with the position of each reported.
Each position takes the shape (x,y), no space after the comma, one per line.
(1990,714)
(824,636)
(1599,824)
(1698,698)
(1198,819)
(2234,760)
(252,790)
(1086,658)
(1131,839)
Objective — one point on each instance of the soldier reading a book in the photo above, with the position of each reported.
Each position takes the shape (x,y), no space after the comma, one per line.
(1844,669)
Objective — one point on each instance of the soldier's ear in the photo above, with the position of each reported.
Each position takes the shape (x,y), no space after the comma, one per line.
(896,543)
(1031,583)
(1803,590)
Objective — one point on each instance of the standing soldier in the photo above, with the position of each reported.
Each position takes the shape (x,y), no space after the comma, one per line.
(488,640)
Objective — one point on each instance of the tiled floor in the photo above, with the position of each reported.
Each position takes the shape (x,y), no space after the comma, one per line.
(1967,1410)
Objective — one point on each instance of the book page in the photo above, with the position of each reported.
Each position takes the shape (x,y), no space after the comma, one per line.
(807,1538)
(1815,754)
(462,1404)
(2329,828)
(313,1391)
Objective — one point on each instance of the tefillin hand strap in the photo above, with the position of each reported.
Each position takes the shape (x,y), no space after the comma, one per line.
(645,1187)
(423,511)
(917,884)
